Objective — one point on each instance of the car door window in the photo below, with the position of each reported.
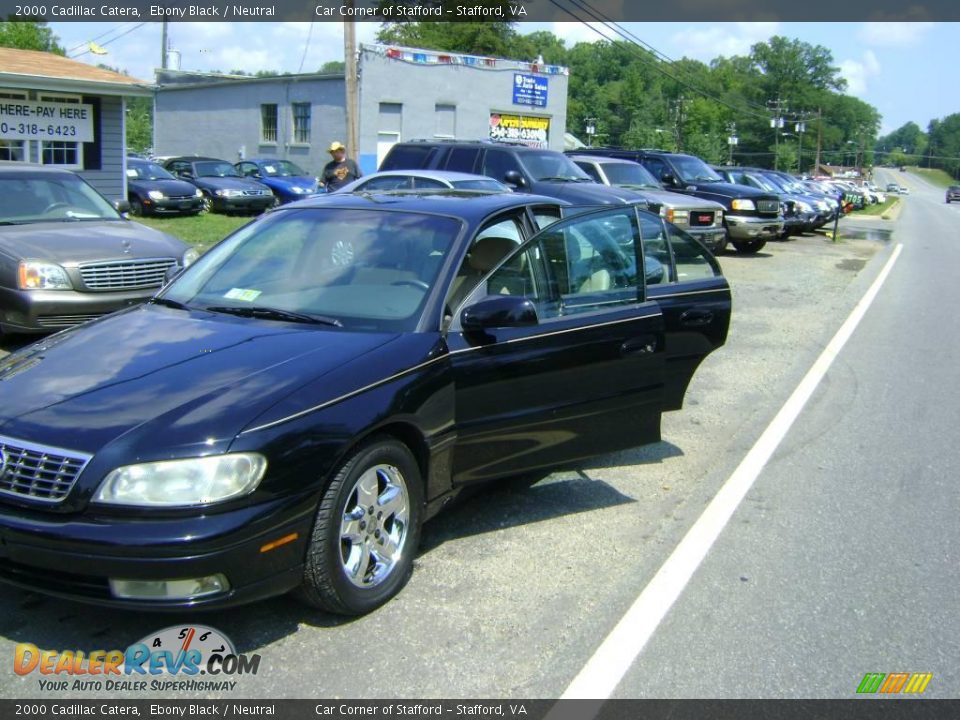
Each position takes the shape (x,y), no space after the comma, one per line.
(580,265)
(463,159)
(428,184)
(657,167)
(387,182)
(691,260)
(495,240)
(590,169)
(543,216)
(497,163)
(657,260)
(248,169)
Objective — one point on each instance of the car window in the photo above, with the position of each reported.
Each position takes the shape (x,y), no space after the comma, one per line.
(428,183)
(579,265)
(462,159)
(39,197)
(387,182)
(656,250)
(408,157)
(248,169)
(692,260)
(543,216)
(215,169)
(368,269)
(590,169)
(497,163)
(658,168)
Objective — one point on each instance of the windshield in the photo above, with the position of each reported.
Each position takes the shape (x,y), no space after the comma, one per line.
(630,175)
(549,165)
(365,269)
(147,171)
(215,169)
(694,170)
(47,197)
(762,182)
(282,168)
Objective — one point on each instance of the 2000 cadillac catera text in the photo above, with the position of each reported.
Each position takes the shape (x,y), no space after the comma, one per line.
(288,411)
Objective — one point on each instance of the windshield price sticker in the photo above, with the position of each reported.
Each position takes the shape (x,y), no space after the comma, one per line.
(29,120)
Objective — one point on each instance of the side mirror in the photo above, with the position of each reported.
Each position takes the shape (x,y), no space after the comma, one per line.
(122,206)
(513,177)
(669,179)
(171,274)
(498,311)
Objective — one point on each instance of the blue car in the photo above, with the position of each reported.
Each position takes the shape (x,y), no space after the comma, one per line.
(288,180)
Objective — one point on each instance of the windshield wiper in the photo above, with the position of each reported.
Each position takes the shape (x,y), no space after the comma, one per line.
(269,313)
(560,178)
(167,302)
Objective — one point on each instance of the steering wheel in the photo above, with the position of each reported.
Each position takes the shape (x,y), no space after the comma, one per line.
(415,283)
(54,206)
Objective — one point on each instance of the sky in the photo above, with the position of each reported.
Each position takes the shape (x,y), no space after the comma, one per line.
(905,70)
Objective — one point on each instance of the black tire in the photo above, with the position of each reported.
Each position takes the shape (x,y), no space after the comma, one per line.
(207,206)
(327,583)
(136,207)
(749,247)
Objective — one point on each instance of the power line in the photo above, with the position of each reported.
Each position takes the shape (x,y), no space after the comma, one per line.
(85,43)
(107,42)
(306,46)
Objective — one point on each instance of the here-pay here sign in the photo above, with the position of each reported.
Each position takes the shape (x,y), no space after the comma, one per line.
(31,120)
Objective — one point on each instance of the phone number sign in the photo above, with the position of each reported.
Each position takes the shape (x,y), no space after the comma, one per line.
(28,120)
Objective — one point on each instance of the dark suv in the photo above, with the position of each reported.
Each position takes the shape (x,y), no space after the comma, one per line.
(751,216)
(953,193)
(525,169)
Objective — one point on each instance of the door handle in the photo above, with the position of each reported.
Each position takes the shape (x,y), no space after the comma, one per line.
(696,318)
(643,345)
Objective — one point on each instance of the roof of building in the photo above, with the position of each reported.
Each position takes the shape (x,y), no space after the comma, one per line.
(43,70)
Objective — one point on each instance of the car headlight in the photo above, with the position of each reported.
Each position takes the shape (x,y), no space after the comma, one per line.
(43,276)
(229,193)
(804,207)
(183,483)
(198,193)
(189,257)
(677,216)
(298,189)
(742,204)
(155,195)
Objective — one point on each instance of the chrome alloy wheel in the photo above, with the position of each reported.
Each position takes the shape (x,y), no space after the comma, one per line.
(373,529)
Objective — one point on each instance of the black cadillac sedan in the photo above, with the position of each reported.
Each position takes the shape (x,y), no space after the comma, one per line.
(286,413)
(223,189)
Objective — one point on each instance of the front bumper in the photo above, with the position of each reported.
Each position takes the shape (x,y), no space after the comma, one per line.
(41,311)
(173,205)
(74,557)
(715,238)
(746,227)
(247,203)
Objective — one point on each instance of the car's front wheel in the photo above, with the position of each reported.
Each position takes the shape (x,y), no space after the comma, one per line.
(136,206)
(749,247)
(207,205)
(366,530)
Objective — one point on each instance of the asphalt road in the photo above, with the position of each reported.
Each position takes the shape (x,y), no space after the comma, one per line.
(845,541)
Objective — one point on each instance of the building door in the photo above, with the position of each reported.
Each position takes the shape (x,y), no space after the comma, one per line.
(385,141)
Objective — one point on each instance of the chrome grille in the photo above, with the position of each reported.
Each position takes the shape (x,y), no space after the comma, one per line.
(64,321)
(701,218)
(126,274)
(38,472)
(768,207)
(254,192)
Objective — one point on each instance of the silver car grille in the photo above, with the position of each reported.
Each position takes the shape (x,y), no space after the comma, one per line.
(768,207)
(65,321)
(126,274)
(254,192)
(38,472)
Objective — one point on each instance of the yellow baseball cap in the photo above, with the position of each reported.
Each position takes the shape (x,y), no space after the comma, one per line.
(336,145)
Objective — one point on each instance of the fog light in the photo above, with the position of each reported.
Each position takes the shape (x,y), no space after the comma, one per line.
(169,589)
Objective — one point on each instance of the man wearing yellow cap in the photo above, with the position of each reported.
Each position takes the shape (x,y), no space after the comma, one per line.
(341,170)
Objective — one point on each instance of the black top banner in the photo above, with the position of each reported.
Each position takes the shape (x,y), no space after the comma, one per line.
(594,11)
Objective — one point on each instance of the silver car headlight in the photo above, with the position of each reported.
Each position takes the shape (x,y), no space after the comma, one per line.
(198,193)
(155,195)
(743,204)
(183,483)
(189,257)
(229,193)
(804,207)
(42,276)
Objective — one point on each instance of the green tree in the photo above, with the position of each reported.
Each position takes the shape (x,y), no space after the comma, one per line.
(139,124)
(478,38)
(333,66)
(30,36)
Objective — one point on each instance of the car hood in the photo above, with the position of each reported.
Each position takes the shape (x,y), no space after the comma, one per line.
(584,193)
(230,183)
(290,181)
(725,189)
(79,241)
(678,201)
(193,378)
(167,187)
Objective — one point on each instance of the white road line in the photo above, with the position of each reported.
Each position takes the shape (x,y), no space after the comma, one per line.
(600,676)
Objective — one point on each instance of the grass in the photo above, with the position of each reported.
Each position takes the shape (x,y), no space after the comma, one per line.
(201,231)
(936,176)
(877,209)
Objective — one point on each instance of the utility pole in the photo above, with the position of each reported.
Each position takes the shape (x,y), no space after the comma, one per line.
(163,47)
(678,122)
(800,126)
(732,140)
(776,122)
(816,163)
(350,60)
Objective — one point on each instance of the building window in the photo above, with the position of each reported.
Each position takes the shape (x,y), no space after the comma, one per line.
(58,152)
(268,123)
(13,150)
(446,121)
(301,122)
